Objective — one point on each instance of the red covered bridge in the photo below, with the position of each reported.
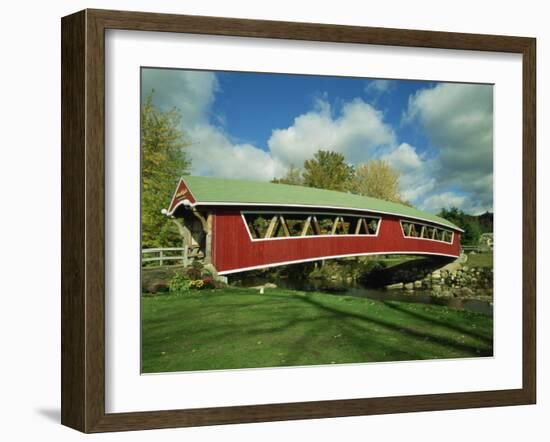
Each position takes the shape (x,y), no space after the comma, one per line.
(243,225)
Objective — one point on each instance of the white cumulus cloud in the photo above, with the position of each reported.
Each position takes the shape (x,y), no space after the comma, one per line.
(356,131)
(446,199)
(378,87)
(458,121)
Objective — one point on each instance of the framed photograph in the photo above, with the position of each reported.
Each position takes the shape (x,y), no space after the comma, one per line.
(268,220)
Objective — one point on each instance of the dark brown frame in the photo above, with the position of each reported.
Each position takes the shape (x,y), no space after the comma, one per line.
(83,215)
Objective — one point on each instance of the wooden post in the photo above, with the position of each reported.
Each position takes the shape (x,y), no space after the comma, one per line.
(271,227)
(358,227)
(161,255)
(306,226)
(284,225)
(335,225)
(185,255)
(316,226)
(366,224)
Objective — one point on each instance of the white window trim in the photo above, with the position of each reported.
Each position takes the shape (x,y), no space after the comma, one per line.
(311,213)
(401,221)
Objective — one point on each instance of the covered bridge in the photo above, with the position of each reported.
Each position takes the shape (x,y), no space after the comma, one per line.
(241,225)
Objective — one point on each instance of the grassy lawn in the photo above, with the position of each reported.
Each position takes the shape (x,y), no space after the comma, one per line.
(239,328)
(392,261)
(480,260)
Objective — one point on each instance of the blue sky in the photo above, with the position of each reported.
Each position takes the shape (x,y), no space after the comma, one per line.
(282,97)
(438,136)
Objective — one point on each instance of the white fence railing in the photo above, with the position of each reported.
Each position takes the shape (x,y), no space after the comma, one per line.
(170,255)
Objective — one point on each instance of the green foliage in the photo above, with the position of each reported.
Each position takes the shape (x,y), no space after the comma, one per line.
(375,265)
(328,170)
(292,176)
(163,161)
(472,231)
(179,283)
(473,226)
(377,179)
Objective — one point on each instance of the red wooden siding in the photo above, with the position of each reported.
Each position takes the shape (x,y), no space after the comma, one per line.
(233,249)
(182,193)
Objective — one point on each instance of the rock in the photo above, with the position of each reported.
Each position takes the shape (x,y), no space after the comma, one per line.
(211,270)
(396,286)
(156,286)
(417,284)
(409,286)
(436,275)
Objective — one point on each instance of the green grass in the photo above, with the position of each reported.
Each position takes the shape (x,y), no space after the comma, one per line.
(240,328)
(480,260)
(400,260)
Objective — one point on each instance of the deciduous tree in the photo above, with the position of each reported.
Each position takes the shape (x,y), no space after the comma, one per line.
(328,170)
(376,178)
(163,162)
(292,176)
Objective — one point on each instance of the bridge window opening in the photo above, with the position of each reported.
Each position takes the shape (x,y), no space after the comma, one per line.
(342,228)
(445,236)
(257,226)
(372,225)
(296,225)
(290,225)
(326,224)
(423,231)
(430,233)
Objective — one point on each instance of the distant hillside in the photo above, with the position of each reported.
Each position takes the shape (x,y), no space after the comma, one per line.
(485,222)
(473,225)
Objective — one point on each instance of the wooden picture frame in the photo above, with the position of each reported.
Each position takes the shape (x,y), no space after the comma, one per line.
(83,220)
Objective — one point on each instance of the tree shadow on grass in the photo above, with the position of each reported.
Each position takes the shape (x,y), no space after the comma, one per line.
(383,339)
(434,321)
(400,328)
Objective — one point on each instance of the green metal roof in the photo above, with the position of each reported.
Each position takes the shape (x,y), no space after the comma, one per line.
(220,190)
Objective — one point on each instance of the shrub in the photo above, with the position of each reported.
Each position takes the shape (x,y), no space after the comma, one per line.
(193,272)
(196,284)
(179,283)
(208,283)
(375,266)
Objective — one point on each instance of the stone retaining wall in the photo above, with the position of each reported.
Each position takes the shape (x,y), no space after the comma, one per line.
(463,282)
